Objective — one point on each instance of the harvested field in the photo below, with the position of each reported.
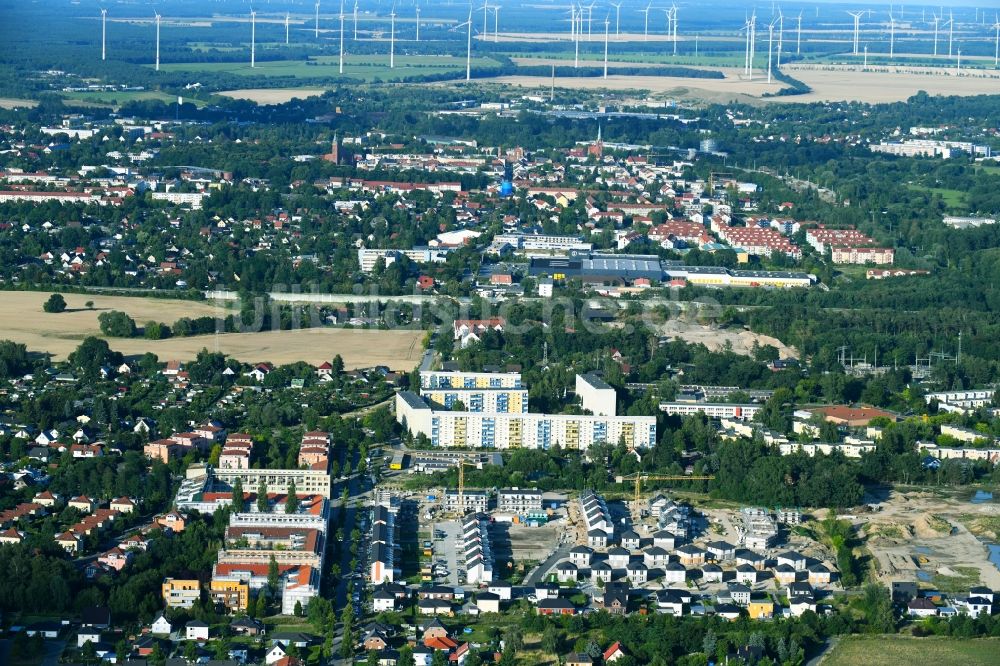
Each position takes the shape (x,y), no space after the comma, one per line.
(903,651)
(60,334)
(12,103)
(878,87)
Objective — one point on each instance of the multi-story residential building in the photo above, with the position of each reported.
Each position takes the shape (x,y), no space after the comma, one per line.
(307,481)
(472,500)
(973,398)
(233,594)
(470,380)
(596,396)
(539,244)
(525,430)
(715,410)
(491,400)
(519,500)
(862,255)
(180,593)
(368,258)
(759,529)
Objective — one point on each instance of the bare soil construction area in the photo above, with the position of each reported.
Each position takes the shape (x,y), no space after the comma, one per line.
(22,320)
(926,537)
(716,339)
(877,87)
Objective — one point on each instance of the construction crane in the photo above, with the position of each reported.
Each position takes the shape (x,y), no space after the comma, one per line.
(639,478)
(462,462)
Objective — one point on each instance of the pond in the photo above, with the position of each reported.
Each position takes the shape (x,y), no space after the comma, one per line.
(981,497)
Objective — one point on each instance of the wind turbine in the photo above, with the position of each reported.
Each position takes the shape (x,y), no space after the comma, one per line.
(572,23)
(418,23)
(104,34)
(798,36)
(673,10)
(645,26)
(996,44)
(751,28)
(392,38)
(486,9)
(590,19)
(157,40)
(951,31)
(781,35)
(496,24)
(865,67)
(892,36)
(936,19)
(355,20)
(468,46)
(579,29)
(253,39)
(959,70)
(286,28)
(341,62)
(857,24)
(607,23)
(770,40)
(317,20)
(618,9)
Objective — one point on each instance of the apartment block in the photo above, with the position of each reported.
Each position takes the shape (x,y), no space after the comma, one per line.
(180,592)
(492,400)
(519,500)
(470,380)
(715,410)
(597,396)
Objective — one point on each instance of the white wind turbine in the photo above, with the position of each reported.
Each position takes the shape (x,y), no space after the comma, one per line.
(104,34)
(496,24)
(341,61)
(673,11)
(857,27)
(607,24)
(645,25)
(157,15)
(996,43)
(590,19)
(951,31)
(618,9)
(418,23)
(864,67)
(798,36)
(355,20)
(316,28)
(253,39)
(572,23)
(770,41)
(892,36)
(392,38)
(936,20)
(486,9)
(286,28)
(751,28)
(781,35)
(468,46)
(579,30)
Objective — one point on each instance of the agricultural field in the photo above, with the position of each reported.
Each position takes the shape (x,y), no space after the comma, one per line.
(122,97)
(901,651)
(368,68)
(60,334)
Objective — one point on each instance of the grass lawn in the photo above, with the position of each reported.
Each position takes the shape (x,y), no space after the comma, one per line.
(367,67)
(902,651)
(953,199)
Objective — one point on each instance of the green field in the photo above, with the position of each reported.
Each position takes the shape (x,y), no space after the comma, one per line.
(953,199)
(119,98)
(902,651)
(355,67)
(639,58)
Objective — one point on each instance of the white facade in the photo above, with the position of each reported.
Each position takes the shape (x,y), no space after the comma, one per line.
(596,395)
(715,410)
(470,380)
(519,500)
(490,400)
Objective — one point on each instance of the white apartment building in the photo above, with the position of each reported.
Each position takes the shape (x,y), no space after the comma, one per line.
(525,430)
(368,257)
(469,380)
(307,481)
(715,410)
(519,500)
(472,500)
(974,398)
(490,400)
(596,395)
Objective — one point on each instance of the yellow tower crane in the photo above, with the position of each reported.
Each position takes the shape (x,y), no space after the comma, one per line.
(462,462)
(640,477)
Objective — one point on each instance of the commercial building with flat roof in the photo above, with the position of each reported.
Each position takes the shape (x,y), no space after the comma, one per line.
(598,268)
